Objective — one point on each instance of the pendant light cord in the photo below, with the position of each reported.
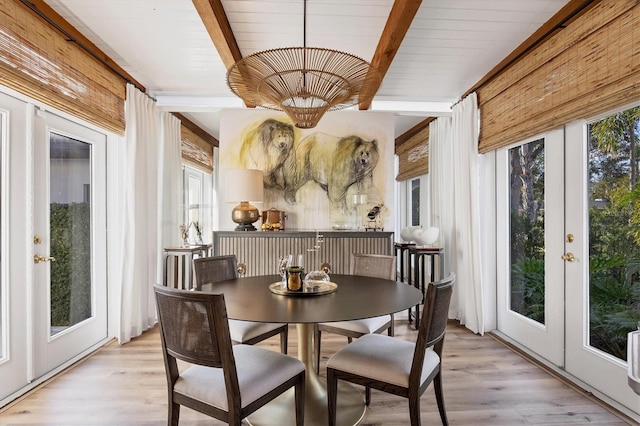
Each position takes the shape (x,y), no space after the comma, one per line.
(304,46)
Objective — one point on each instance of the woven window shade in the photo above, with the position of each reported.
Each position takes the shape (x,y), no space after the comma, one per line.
(413,155)
(195,150)
(39,62)
(589,67)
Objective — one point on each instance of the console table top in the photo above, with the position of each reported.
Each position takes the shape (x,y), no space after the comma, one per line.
(304,233)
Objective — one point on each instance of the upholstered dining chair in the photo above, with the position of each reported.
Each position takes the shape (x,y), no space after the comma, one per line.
(368,265)
(225,381)
(398,366)
(212,269)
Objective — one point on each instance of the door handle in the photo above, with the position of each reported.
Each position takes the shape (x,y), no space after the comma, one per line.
(38,259)
(568,257)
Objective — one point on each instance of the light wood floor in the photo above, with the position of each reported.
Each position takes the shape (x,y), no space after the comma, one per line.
(485,383)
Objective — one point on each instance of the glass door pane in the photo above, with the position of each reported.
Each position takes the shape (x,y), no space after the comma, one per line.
(527,249)
(4,303)
(614,231)
(70,221)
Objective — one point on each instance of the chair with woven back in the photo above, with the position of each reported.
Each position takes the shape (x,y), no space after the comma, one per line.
(367,265)
(398,366)
(208,270)
(225,381)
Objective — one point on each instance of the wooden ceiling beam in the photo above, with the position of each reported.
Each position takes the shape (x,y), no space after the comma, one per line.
(217,24)
(398,23)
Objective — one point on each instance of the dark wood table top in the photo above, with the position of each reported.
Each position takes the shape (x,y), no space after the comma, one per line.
(357,297)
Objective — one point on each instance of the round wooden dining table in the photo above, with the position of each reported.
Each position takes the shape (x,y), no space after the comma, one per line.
(356,297)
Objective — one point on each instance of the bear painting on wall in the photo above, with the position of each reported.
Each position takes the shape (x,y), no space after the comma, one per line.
(318,176)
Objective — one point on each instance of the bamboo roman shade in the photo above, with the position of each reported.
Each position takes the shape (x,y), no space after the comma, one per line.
(195,150)
(413,155)
(38,61)
(589,67)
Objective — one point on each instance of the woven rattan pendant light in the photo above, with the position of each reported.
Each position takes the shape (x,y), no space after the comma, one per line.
(304,82)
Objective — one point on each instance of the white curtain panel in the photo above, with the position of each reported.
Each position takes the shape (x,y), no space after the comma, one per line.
(466,259)
(170,203)
(140,254)
(441,184)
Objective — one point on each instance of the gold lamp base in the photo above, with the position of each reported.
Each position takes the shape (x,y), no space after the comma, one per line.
(245,215)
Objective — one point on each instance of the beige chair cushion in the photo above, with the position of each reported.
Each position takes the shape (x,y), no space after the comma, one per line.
(382,358)
(241,331)
(259,371)
(364,326)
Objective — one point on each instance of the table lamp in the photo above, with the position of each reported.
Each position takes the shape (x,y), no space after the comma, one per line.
(245,187)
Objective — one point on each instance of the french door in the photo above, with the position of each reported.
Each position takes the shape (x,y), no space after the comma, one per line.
(529,201)
(602,274)
(569,250)
(69,218)
(54,248)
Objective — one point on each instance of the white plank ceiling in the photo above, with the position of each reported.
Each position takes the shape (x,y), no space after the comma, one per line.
(450,46)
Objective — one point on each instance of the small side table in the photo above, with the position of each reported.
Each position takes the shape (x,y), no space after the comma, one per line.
(182,276)
(419,254)
(403,256)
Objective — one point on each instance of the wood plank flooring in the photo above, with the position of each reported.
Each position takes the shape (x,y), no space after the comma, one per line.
(485,383)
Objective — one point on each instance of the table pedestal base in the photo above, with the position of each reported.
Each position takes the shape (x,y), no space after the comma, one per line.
(281,411)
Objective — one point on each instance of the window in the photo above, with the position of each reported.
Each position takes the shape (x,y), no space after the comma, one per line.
(415,202)
(197,210)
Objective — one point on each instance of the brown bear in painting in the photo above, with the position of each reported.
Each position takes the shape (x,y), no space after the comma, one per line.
(334,163)
(266,147)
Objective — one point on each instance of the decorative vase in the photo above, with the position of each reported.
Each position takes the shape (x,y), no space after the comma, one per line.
(407,233)
(426,237)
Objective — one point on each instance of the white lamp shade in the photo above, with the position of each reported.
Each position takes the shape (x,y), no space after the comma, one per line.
(244,185)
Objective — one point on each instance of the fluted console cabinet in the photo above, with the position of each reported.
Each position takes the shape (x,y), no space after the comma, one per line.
(260,250)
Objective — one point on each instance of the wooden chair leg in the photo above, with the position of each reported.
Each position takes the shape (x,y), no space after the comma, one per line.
(318,337)
(437,386)
(284,340)
(234,416)
(174,414)
(414,410)
(332,395)
(299,391)
(367,396)
(349,339)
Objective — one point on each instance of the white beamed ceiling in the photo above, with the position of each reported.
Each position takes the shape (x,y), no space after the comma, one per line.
(450,46)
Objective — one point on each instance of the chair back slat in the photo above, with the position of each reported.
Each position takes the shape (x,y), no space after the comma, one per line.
(434,319)
(194,326)
(439,307)
(374,265)
(212,269)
